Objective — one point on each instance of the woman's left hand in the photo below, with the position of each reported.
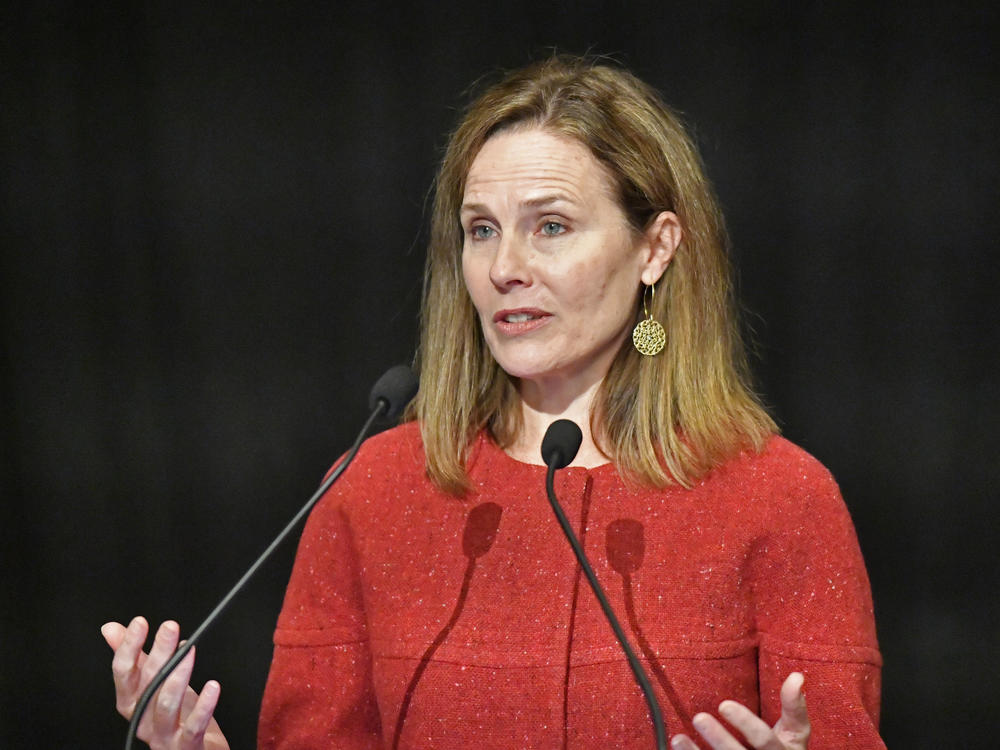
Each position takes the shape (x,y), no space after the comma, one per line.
(790,733)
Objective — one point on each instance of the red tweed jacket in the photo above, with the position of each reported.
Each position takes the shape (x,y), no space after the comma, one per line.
(415,619)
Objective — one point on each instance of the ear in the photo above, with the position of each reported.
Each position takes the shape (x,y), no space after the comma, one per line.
(660,241)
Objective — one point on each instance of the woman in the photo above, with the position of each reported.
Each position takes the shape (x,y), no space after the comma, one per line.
(434,602)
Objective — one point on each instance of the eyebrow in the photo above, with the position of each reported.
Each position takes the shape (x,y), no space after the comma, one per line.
(540,201)
(547,200)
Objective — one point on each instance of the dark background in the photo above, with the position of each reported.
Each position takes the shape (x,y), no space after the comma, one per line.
(212,226)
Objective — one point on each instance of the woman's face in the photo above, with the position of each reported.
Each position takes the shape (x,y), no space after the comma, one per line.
(550,261)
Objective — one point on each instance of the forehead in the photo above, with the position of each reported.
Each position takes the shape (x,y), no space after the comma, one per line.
(534,161)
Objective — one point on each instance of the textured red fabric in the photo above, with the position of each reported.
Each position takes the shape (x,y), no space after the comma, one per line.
(470,619)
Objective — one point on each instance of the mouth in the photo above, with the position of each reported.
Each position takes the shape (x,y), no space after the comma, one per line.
(522,320)
(522,315)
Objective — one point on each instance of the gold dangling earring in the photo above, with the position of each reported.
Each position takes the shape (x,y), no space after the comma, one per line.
(648,336)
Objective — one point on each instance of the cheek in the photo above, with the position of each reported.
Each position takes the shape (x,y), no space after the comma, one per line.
(610,277)
(606,297)
(473,277)
(468,273)
(594,287)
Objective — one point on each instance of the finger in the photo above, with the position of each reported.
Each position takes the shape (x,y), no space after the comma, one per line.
(194,725)
(125,665)
(170,697)
(714,733)
(794,722)
(163,648)
(682,742)
(754,729)
(114,633)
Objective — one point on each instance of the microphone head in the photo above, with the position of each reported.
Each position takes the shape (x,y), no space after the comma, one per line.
(561,442)
(397,387)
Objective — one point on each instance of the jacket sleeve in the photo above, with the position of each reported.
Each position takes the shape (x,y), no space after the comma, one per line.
(319,690)
(814,614)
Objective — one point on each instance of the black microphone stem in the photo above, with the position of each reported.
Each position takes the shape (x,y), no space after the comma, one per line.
(633,661)
(381,407)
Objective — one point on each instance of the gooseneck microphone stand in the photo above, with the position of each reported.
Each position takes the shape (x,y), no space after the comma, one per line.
(388,398)
(559,447)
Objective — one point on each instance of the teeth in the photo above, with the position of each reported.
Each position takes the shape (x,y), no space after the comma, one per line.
(518,318)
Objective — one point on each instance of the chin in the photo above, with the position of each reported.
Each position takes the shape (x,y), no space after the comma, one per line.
(522,370)
(520,362)
(519,372)
(518,368)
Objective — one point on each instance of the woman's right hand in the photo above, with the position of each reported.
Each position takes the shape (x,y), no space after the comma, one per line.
(177,718)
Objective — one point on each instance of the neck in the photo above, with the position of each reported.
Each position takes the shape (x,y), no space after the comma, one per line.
(540,407)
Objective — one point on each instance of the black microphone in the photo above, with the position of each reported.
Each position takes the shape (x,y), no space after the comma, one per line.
(389,396)
(561,442)
(559,446)
(396,388)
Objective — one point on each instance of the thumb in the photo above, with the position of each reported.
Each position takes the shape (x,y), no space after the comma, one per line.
(794,716)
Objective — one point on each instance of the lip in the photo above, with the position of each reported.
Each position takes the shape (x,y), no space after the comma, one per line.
(538,319)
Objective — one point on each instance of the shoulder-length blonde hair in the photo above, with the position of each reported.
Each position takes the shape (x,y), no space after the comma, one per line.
(664,419)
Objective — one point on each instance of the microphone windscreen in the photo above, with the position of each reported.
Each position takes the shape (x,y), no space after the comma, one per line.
(397,387)
(561,442)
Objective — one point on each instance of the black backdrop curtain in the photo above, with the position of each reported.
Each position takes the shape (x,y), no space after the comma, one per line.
(212,222)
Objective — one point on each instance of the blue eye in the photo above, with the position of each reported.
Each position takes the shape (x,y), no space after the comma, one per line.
(482,232)
(552,228)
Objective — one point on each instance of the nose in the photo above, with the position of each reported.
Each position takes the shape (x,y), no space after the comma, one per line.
(510,266)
